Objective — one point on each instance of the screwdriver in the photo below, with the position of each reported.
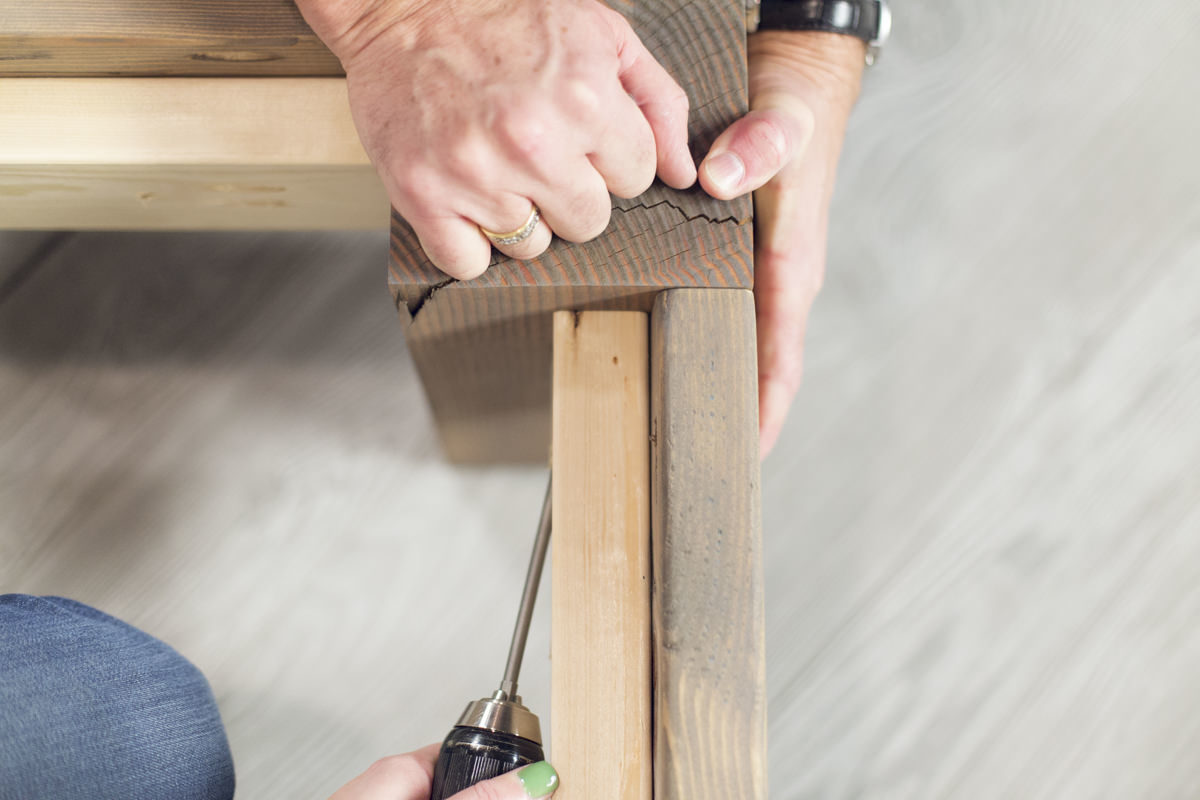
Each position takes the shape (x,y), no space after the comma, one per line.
(497,734)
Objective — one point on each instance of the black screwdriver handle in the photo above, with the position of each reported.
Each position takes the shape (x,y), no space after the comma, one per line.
(471,755)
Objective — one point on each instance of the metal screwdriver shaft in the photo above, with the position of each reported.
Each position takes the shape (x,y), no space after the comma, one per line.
(497,734)
(516,650)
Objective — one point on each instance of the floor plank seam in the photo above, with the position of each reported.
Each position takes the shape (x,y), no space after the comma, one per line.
(21,275)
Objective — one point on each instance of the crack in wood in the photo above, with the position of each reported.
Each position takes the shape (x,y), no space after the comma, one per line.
(420,302)
(683,213)
(415,305)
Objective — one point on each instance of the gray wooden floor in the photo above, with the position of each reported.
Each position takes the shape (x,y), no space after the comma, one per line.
(983,518)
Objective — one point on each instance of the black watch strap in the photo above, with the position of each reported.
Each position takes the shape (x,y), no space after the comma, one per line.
(855,17)
(864,19)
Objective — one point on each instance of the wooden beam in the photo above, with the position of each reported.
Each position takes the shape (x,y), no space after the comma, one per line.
(600,617)
(152,37)
(483,346)
(244,121)
(709,656)
(183,153)
(190,197)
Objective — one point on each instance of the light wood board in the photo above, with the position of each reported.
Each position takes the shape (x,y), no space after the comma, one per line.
(600,568)
(242,121)
(184,153)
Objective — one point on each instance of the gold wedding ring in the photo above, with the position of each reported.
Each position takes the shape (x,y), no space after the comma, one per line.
(519,235)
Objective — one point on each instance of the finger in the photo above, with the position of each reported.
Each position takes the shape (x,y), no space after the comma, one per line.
(514,218)
(578,206)
(789,265)
(454,244)
(626,157)
(533,781)
(781,359)
(663,103)
(754,149)
(406,777)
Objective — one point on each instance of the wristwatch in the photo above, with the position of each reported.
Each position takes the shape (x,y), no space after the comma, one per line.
(869,20)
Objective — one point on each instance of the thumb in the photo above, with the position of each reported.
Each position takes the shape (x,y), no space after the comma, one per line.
(533,781)
(754,149)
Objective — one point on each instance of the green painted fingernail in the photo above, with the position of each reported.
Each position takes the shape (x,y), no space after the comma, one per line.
(539,779)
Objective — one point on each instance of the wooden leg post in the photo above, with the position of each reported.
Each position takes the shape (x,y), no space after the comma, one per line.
(600,617)
(668,455)
(709,676)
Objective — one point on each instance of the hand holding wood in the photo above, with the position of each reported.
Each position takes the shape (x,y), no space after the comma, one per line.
(476,111)
(802,88)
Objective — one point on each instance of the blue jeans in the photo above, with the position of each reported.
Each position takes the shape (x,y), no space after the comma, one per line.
(91,707)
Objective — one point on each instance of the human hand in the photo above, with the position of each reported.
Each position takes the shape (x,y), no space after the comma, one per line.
(474,110)
(410,777)
(802,88)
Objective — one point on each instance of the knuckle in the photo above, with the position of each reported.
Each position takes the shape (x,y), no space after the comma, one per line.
(647,162)
(466,159)
(638,166)
(636,180)
(523,130)
(582,99)
(593,216)
(787,374)
(677,98)
(804,281)
(767,142)
(455,262)
(418,181)
(618,25)
(463,269)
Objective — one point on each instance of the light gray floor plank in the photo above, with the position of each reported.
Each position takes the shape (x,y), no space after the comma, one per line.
(983,518)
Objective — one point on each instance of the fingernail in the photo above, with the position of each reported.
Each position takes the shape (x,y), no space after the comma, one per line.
(539,779)
(726,170)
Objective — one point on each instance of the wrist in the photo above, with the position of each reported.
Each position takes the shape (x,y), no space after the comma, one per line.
(348,26)
(825,69)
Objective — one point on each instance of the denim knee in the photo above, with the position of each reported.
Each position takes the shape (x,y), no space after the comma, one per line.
(93,707)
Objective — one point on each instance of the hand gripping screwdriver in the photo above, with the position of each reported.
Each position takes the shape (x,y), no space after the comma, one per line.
(497,733)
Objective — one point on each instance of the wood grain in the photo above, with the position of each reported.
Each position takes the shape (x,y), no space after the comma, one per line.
(710,693)
(184,153)
(600,702)
(190,197)
(152,37)
(246,121)
(496,410)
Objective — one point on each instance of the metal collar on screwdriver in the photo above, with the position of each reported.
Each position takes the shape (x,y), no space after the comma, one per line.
(497,713)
